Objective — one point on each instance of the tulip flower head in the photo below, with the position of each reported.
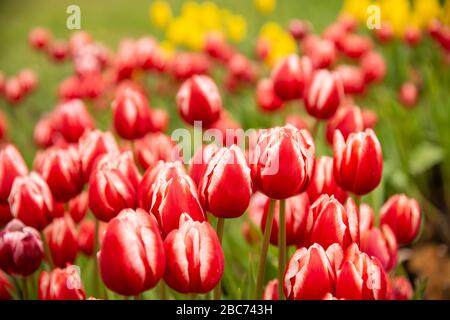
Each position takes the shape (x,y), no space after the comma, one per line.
(61,284)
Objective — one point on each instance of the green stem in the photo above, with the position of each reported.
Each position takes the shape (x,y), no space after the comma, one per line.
(315,128)
(281,248)
(220,228)
(25,295)
(162,290)
(48,256)
(264,248)
(357,201)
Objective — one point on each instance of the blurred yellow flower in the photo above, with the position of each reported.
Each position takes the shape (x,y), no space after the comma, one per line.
(160,13)
(265,6)
(425,11)
(236,28)
(281,42)
(446,13)
(397,13)
(271,31)
(357,8)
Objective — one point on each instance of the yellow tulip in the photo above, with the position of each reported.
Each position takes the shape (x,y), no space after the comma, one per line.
(265,6)
(397,13)
(236,28)
(356,8)
(445,15)
(425,11)
(160,13)
(271,31)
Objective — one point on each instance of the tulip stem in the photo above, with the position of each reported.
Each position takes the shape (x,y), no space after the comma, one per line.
(357,201)
(220,228)
(48,256)
(264,248)
(162,290)
(281,248)
(315,128)
(24,288)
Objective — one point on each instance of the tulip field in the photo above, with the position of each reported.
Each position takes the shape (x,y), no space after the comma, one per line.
(225,150)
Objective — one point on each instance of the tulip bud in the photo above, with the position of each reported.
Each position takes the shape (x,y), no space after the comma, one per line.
(194,257)
(6,287)
(39,38)
(62,241)
(373,67)
(60,168)
(296,213)
(200,161)
(354,46)
(72,120)
(44,132)
(403,215)
(21,249)
(31,201)
(159,120)
(381,243)
(366,218)
(309,274)
(226,185)
(13,91)
(61,284)
(401,289)
(5,214)
(85,232)
(70,88)
(330,222)
(28,80)
(358,162)
(297,121)
(271,290)
(291,76)
(154,147)
(347,119)
(92,145)
(78,207)
(58,50)
(283,161)
(384,34)
(361,277)
(352,79)
(322,52)
(171,198)
(412,36)
(110,191)
(266,98)
(131,258)
(12,165)
(409,94)
(198,99)
(323,181)
(299,29)
(370,119)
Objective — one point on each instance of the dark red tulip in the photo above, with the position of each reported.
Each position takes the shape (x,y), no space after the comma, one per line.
(21,249)
(194,257)
(366,218)
(381,243)
(299,29)
(171,198)
(13,91)
(309,274)
(322,52)
(403,215)
(154,147)
(283,161)
(78,207)
(123,162)
(6,287)
(347,119)
(266,98)
(200,161)
(92,145)
(352,79)
(39,38)
(384,34)
(271,290)
(198,99)
(354,46)
(58,50)
(291,76)
(72,120)
(409,94)
(62,241)
(361,277)
(412,36)
(131,258)
(373,67)
(31,201)
(330,222)
(324,94)
(60,168)
(110,191)
(28,80)
(357,162)
(296,212)
(401,289)
(5,214)
(61,284)
(226,185)
(12,165)
(323,181)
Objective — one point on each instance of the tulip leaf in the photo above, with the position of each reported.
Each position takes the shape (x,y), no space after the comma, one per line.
(424,157)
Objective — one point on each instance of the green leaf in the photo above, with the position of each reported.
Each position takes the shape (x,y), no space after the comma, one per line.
(424,157)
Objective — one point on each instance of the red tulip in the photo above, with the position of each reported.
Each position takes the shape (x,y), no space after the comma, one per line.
(60,168)
(330,222)
(21,249)
(78,207)
(335,254)
(283,161)
(154,147)
(370,119)
(291,76)
(323,181)
(159,120)
(62,241)
(412,36)
(347,119)
(322,52)
(31,201)
(200,161)
(92,145)
(299,29)
(401,289)
(70,88)
(403,215)
(271,290)
(171,198)
(384,34)
(13,91)
(409,94)
(227,129)
(373,67)
(28,80)
(123,162)
(381,243)
(324,94)
(309,274)
(85,232)
(44,134)
(198,99)
(72,120)
(39,38)
(358,162)
(61,284)
(361,277)
(262,48)
(354,46)
(335,32)
(266,98)
(131,258)
(353,79)
(5,214)
(297,121)
(131,113)
(226,185)
(58,50)
(110,191)
(194,257)
(12,166)
(217,47)
(296,211)
(6,287)
(366,218)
